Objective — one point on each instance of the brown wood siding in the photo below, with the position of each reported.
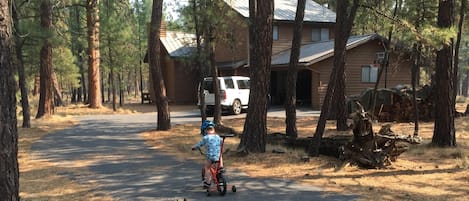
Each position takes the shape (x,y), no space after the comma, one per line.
(315,104)
(398,73)
(168,76)
(224,51)
(186,82)
(180,81)
(285,35)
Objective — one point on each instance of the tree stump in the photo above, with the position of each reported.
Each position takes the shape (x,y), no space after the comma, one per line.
(373,150)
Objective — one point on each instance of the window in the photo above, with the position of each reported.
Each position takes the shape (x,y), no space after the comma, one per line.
(369,74)
(324,34)
(316,35)
(229,83)
(320,34)
(275,32)
(208,85)
(243,84)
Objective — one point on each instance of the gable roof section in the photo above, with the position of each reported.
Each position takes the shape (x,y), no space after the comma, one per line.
(178,44)
(285,10)
(315,52)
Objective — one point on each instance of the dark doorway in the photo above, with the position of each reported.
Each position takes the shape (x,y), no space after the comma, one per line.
(303,88)
(278,87)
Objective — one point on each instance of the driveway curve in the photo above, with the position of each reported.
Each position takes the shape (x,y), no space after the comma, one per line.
(126,168)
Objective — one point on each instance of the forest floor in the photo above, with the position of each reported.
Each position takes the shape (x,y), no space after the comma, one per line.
(422,173)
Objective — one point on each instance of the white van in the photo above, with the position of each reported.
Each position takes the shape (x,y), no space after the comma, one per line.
(234,92)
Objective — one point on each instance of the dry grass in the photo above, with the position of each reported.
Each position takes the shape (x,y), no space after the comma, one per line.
(422,173)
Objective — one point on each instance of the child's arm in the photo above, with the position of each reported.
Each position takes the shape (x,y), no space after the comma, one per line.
(200,144)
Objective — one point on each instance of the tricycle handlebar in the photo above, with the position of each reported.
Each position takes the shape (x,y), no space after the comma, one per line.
(227,135)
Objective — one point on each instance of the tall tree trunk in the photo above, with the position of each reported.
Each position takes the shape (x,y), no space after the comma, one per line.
(121,90)
(415,70)
(45,71)
(292,74)
(456,51)
(345,18)
(9,171)
(92,21)
(210,48)
(80,92)
(58,101)
(415,75)
(37,81)
(21,73)
(106,88)
(139,73)
(384,64)
(342,35)
(198,62)
(164,120)
(465,84)
(444,134)
(112,82)
(260,52)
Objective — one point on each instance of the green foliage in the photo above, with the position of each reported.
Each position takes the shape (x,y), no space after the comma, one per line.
(65,67)
(437,37)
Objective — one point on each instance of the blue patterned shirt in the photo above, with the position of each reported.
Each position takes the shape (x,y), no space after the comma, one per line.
(212,144)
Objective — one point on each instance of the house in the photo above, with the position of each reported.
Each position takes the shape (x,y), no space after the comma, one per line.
(316,59)
(363,59)
(180,77)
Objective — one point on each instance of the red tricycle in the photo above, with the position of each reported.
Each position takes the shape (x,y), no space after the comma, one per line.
(218,181)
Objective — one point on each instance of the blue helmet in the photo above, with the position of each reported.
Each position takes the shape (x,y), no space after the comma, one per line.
(206,124)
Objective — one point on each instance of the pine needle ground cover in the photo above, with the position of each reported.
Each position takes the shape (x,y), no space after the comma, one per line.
(422,173)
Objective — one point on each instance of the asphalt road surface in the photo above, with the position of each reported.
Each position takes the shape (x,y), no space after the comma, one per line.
(126,168)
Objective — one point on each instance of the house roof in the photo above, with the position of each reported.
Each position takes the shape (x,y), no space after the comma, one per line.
(315,52)
(178,44)
(285,10)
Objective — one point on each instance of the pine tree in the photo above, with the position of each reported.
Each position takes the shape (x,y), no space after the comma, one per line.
(154,45)
(45,72)
(92,19)
(336,84)
(9,171)
(292,74)
(260,39)
(444,133)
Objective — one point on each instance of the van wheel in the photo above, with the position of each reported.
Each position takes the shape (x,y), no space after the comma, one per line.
(236,107)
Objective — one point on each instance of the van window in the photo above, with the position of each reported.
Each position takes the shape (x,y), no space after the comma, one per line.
(209,86)
(243,84)
(229,83)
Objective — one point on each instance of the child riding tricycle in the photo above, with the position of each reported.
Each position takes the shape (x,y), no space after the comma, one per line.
(212,173)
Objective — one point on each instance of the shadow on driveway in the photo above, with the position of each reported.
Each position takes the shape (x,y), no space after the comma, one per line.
(121,165)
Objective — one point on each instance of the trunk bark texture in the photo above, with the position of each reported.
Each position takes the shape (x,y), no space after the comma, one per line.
(260,46)
(21,73)
(292,74)
(345,17)
(45,72)
(444,130)
(92,20)
(198,62)
(9,171)
(164,120)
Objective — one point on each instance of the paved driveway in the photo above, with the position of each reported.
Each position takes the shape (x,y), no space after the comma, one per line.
(126,168)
